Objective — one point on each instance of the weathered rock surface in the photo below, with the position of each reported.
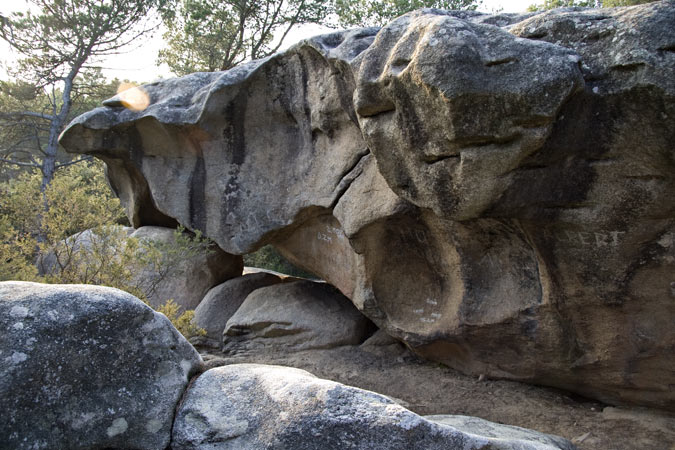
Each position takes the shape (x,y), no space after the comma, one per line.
(200,154)
(191,278)
(297,315)
(498,198)
(221,302)
(87,367)
(251,406)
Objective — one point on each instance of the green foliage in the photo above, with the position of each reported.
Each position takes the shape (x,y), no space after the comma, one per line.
(552,4)
(210,35)
(13,248)
(72,232)
(379,12)
(26,113)
(184,322)
(614,3)
(269,258)
(58,47)
(158,260)
(102,256)
(34,222)
(57,40)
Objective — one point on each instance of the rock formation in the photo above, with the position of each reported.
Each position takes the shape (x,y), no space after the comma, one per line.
(297,315)
(229,408)
(495,191)
(87,367)
(221,302)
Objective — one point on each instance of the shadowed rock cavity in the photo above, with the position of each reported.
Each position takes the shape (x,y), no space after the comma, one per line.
(500,199)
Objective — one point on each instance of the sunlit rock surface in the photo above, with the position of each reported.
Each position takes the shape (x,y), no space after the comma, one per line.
(229,408)
(495,191)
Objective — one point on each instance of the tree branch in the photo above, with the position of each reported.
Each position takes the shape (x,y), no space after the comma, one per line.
(86,158)
(19,163)
(29,114)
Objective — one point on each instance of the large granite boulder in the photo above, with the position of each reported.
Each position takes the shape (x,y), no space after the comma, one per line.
(221,302)
(542,246)
(87,367)
(495,191)
(204,147)
(251,406)
(297,315)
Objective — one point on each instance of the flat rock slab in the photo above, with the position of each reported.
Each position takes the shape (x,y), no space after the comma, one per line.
(298,315)
(252,406)
(87,367)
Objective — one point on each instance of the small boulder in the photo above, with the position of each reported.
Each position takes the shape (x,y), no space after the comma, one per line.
(87,367)
(299,315)
(222,301)
(251,406)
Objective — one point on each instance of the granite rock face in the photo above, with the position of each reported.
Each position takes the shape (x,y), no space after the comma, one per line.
(297,315)
(495,191)
(87,367)
(203,149)
(251,406)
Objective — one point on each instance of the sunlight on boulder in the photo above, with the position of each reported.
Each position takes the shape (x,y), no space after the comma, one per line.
(133,97)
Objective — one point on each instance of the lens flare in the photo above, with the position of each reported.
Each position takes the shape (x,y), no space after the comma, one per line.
(133,97)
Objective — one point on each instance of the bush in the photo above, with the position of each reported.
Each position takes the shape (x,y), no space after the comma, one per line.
(183,322)
(72,233)
(269,258)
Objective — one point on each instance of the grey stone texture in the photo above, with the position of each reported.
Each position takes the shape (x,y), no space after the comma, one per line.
(297,315)
(252,407)
(87,367)
(221,302)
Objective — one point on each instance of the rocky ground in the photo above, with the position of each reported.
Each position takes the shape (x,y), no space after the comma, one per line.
(429,388)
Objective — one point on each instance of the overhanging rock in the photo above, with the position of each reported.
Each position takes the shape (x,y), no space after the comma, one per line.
(495,191)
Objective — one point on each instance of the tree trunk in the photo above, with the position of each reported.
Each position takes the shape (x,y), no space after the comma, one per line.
(49,162)
(48,167)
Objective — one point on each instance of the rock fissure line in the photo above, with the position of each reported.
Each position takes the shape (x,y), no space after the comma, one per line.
(349,177)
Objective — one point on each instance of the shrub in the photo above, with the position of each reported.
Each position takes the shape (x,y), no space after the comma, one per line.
(269,258)
(183,322)
(72,233)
